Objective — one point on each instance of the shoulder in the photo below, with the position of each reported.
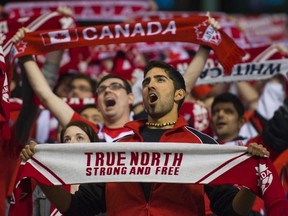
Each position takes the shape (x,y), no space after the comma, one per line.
(77,117)
(202,136)
(126,138)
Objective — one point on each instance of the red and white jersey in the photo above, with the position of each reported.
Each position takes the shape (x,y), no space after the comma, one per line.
(111,134)
(197,116)
(103,132)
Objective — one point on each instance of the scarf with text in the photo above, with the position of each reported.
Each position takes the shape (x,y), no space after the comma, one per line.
(52,20)
(240,72)
(242,28)
(210,75)
(157,162)
(192,29)
(10,26)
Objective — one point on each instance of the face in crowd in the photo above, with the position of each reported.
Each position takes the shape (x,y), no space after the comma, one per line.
(114,96)
(163,90)
(81,86)
(158,93)
(227,116)
(78,132)
(92,114)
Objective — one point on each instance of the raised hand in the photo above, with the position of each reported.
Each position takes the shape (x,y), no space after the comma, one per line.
(215,24)
(28,151)
(66,11)
(19,34)
(256,149)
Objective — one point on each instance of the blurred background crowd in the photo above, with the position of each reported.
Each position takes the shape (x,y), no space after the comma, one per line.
(258,27)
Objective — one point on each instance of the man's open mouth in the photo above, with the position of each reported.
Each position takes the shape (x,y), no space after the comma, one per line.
(153,98)
(110,102)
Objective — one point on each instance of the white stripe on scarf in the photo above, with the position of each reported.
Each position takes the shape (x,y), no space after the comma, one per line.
(69,163)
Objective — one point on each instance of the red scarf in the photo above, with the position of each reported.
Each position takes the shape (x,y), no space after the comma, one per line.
(52,20)
(10,26)
(82,10)
(45,21)
(194,29)
(9,157)
(7,164)
(4,102)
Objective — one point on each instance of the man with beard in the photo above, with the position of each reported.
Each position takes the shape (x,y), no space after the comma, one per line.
(114,95)
(164,91)
(227,120)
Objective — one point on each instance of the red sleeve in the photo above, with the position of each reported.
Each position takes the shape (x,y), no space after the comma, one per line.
(77,117)
(258,139)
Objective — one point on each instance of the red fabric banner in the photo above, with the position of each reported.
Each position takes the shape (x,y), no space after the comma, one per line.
(82,10)
(192,29)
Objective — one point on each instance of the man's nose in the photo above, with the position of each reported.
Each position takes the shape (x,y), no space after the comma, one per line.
(151,84)
(75,92)
(220,113)
(73,140)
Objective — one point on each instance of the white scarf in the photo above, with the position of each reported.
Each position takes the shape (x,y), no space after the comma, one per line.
(62,164)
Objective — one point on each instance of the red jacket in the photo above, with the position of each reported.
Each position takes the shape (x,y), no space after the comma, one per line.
(128,199)
(165,199)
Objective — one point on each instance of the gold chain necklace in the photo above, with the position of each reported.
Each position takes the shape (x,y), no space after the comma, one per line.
(152,124)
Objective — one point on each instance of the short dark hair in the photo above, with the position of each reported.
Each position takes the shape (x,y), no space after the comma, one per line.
(173,74)
(87,106)
(85,127)
(229,98)
(111,76)
(91,81)
(61,78)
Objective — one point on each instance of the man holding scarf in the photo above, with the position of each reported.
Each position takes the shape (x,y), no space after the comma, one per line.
(163,95)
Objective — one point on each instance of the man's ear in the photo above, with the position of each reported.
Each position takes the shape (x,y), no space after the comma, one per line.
(179,94)
(131,98)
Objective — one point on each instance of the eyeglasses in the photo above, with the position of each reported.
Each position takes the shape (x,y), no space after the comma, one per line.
(112,86)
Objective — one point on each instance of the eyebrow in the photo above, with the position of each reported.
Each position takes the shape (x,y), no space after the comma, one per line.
(64,137)
(77,134)
(155,76)
(112,83)
(161,76)
(146,80)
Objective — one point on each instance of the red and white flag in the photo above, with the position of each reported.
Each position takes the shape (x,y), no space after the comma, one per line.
(192,29)
(82,10)
(4,100)
(62,36)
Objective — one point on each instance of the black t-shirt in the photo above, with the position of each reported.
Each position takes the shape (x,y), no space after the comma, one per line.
(90,198)
(150,135)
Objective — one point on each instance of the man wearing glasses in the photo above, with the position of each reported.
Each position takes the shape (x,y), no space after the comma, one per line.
(114,101)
